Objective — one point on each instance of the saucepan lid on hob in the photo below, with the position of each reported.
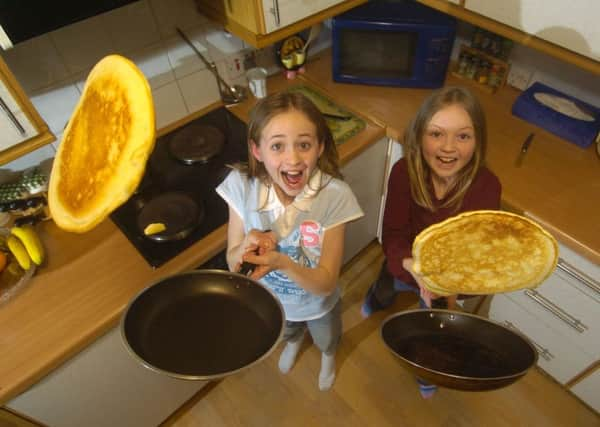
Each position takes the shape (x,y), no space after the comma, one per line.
(196,143)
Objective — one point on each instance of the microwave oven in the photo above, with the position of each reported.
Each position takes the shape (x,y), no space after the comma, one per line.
(392,43)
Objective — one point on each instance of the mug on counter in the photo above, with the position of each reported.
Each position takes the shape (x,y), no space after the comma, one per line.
(257,81)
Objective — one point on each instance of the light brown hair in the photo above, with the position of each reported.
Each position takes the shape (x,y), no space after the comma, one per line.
(279,103)
(418,169)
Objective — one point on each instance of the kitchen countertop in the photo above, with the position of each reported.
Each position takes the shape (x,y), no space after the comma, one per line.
(88,279)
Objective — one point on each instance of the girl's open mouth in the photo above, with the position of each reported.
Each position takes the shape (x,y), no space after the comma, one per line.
(293,179)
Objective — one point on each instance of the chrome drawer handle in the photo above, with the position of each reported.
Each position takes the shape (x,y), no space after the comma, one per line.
(275,11)
(543,352)
(578,275)
(557,311)
(12,117)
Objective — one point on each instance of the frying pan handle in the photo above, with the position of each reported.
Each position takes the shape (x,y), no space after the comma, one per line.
(247,268)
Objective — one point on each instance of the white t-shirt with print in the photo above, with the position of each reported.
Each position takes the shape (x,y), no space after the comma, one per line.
(299,227)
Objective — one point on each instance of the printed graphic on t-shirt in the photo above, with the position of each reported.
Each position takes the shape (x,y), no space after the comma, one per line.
(303,246)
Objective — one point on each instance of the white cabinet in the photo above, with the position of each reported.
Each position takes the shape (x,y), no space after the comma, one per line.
(365,174)
(572,25)
(559,357)
(395,153)
(562,316)
(104,386)
(588,390)
(281,13)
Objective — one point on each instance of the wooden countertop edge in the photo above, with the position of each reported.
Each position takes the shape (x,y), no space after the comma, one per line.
(189,259)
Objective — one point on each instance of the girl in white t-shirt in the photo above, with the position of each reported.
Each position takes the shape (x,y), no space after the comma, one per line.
(292,187)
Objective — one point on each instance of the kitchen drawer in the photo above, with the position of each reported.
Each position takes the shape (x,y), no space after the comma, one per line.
(564,306)
(558,356)
(588,390)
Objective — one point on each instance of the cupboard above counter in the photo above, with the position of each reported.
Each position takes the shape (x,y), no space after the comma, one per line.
(264,22)
(569,35)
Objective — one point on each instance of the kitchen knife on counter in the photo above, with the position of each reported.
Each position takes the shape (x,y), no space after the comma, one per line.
(524,148)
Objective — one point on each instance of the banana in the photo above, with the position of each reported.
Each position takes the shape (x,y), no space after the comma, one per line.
(30,241)
(18,250)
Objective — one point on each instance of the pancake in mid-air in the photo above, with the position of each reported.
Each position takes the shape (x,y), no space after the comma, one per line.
(102,156)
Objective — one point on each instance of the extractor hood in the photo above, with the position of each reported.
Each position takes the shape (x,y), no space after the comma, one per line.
(24,19)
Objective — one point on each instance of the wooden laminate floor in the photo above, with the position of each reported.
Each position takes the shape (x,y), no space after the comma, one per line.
(371,388)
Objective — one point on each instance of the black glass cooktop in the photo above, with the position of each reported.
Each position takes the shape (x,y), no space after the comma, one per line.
(176,171)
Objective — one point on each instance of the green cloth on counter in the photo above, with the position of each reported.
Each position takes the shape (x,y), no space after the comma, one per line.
(342,130)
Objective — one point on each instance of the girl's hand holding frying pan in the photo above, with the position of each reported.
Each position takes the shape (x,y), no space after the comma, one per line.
(425,294)
(258,243)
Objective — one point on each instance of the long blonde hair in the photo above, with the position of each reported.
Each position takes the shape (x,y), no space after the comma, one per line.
(279,103)
(418,169)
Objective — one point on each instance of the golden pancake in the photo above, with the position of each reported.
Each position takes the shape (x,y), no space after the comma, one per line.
(484,252)
(102,156)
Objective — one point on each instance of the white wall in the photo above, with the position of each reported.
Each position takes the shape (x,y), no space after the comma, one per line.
(52,68)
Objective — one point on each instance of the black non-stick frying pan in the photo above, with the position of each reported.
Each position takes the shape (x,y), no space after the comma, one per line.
(202,324)
(458,350)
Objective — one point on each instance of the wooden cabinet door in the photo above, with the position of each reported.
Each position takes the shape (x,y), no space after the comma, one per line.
(573,26)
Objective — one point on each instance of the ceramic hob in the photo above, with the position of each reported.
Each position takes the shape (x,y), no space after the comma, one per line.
(178,186)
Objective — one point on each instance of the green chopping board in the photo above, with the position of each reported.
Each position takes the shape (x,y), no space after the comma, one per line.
(342,130)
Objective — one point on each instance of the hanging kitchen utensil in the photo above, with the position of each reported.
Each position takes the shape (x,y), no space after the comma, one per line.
(229,94)
(203,324)
(458,350)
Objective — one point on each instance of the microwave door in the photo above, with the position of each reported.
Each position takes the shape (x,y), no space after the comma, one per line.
(375,56)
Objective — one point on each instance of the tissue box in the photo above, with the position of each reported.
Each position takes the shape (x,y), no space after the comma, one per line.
(575,130)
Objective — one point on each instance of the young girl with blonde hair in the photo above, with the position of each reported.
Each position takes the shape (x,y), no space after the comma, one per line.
(288,208)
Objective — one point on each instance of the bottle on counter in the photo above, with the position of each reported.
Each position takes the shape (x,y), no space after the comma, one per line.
(472,67)
(483,73)
(495,76)
(463,63)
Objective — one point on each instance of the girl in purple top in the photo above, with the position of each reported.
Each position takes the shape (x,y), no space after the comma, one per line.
(442,175)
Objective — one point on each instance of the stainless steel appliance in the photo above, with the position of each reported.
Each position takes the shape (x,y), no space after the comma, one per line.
(178,187)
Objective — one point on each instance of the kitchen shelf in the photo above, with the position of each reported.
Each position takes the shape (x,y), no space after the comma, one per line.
(481,55)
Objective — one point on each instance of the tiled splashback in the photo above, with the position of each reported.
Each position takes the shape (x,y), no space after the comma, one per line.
(52,68)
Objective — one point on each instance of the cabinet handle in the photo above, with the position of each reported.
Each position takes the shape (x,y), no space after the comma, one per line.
(557,311)
(543,352)
(12,117)
(578,275)
(275,11)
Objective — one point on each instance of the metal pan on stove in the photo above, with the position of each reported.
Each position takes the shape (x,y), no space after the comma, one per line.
(178,211)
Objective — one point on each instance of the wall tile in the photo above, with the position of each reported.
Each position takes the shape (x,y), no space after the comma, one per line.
(36,63)
(168,104)
(56,105)
(82,44)
(199,90)
(131,27)
(170,14)
(183,59)
(154,63)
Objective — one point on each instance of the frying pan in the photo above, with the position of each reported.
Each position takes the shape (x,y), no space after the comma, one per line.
(458,350)
(202,324)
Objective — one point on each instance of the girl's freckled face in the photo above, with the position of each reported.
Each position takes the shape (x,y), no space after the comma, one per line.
(289,150)
(449,142)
